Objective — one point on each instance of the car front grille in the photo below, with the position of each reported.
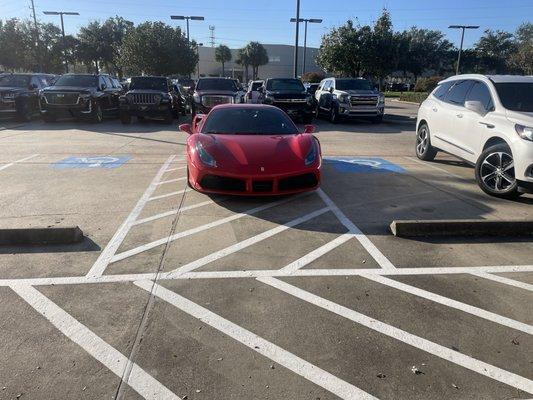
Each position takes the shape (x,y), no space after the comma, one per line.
(215,182)
(143,98)
(297,182)
(262,186)
(211,101)
(290,101)
(62,98)
(364,101)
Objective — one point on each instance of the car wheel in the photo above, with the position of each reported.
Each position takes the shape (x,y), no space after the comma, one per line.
(98,114)
(308,119)
(424,150)
(333,115)
(24,114)
(125,118)
(49,118)
(169,117)
(495,173)
(188,181)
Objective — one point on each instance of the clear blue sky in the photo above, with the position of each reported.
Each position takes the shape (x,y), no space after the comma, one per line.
(239,21)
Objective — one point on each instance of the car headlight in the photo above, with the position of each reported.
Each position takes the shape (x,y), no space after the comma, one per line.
(196,97)
(525,132)
(344,98)
(311,156)
(309,100)
(381,99)
(205,157)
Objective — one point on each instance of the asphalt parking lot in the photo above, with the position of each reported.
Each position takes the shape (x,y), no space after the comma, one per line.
(178,295)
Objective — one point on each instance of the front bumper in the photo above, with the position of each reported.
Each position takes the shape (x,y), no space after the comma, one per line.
(146,110)
(7,108)
(296,109)
(523,160)
(213,180)
(83,108)
(347,110)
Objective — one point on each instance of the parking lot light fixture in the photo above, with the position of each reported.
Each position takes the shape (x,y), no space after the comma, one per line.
(61,13)
(306,21)
(187,18)
(463,28)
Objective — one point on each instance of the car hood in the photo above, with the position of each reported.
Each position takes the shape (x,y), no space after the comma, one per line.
(66,89)
(287,94)
(360,92)
(275,153)
(216,93)
(518,117)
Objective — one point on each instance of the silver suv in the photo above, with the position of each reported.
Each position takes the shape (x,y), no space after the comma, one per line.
(339,98)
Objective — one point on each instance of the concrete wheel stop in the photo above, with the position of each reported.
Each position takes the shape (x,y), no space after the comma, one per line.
(40,236)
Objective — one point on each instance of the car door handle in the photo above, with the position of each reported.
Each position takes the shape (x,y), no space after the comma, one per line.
(459,115)
(435,109)
(490,126)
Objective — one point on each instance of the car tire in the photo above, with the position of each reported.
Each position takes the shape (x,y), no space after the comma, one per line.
(188,181)
(423,148)
(169,118)
(125,118)
(97,115)
(495,172)
(24,114)
(307,119)
(334,115)
(48,118)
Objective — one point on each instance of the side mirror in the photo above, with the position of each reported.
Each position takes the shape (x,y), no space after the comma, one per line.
(309,129)
(331,90)
(186,128)
(476,107)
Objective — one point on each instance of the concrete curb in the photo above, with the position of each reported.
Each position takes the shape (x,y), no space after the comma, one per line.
(460,227)
(41,236)
(403,101)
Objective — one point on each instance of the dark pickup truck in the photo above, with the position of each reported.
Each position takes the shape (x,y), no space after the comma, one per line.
(210,92)
(152,97)
(291,96)
(19,94)
(81,96)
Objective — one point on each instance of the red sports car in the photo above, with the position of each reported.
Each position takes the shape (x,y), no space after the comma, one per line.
(250,149)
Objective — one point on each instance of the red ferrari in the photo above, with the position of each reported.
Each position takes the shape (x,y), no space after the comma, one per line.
(251,149)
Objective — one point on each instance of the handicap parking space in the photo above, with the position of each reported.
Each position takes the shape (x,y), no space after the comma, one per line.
(180,295)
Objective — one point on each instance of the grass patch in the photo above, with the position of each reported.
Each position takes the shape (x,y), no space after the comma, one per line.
(393,95)
(414,97)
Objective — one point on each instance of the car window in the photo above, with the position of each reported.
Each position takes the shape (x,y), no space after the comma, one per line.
(353,84)
(442,89)
(35,81)
(216,84)
(480,92)
(327,85)
(19,81)
(285,84)
(516,96)
(249,121)
(108,82)
(457,93)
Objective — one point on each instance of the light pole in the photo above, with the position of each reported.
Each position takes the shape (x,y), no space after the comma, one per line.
(198,54)
(183,17)
(297,20)
(312,21)
(61,13)
(463,28)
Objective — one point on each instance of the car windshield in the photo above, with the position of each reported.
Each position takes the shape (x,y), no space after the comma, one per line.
(149,84)
(249,121)
(516,96)
(19,81)
(353,84)
(285,84)
(216,84)
(77,80)
(256,85)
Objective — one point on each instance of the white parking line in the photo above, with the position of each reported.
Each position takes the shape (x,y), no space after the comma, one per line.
(175,169)
(172,212)
(506,281)
(429,165)
(172,180)
(246,243)
(109,251)
(445,353)
(176,236)
(17,161)
(478,312)
(163,196)
(139,380)
(362,238)
(277,354)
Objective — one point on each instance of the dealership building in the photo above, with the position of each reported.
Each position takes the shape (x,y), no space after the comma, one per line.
(280,65)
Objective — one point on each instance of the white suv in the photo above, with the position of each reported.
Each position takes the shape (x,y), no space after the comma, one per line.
(487,121)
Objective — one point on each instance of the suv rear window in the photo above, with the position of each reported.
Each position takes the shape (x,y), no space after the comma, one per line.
(216,84)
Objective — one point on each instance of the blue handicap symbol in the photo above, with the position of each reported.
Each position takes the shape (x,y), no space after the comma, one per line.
(91,162)
(368,165)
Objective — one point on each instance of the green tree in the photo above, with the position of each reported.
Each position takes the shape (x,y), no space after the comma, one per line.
(257,56)
(383,56)
(92,46)
(14,45)
(156,48)
(494,49)
(244,60)
(312,77)
(222,55)
(522,59)
(115,30)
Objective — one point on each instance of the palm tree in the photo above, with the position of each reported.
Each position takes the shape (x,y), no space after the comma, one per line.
(244,60)
(222,55)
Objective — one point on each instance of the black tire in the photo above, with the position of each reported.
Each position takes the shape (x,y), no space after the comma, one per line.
(317,112)
(307,119)
(139,118)
(495,172)
(24,114)
(125,118)
(48,118)
(169,118)
(97,115)
(377,120)
(423,148)
(188,182)
(334,115)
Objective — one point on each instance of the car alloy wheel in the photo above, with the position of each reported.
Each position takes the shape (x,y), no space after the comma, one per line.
(497,171)
(98,114)
(424,150)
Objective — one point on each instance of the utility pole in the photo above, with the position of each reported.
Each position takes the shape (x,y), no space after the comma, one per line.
(463,28)
(296,38)
(37,47)
(312,21)
(187,18)
(61,13)
(198,54)
(212,35)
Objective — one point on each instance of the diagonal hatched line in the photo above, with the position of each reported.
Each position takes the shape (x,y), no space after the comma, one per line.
(109,251)
(277,354)
(506,281)
(139,380)
(445,353)
(176,193)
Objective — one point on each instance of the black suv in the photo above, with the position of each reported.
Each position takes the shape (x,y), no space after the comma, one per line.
(289,95)
(210,92)
(19,94)
(152,97)
(81,96)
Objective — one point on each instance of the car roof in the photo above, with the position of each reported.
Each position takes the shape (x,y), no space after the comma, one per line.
(246,105)
(493,78)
